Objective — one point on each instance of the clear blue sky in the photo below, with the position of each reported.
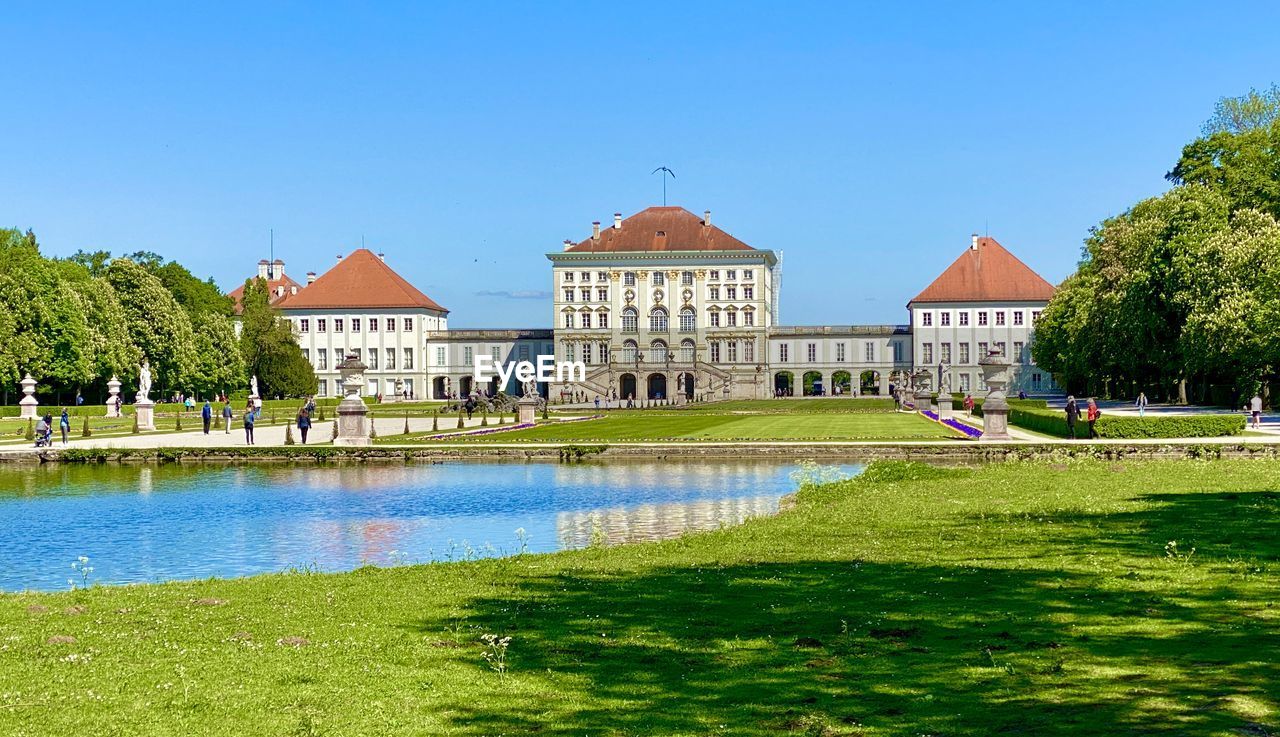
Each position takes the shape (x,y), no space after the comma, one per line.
(865,141)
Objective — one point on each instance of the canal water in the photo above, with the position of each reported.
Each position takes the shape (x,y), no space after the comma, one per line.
(145,523)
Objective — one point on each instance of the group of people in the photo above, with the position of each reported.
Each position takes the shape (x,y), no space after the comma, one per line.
(44,429)
(249,418)
(1091,415)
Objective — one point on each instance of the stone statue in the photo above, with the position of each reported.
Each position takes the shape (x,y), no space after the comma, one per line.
(531,388)
(144,382)
(253,386)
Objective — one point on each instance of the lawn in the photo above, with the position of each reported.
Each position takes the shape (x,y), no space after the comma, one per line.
(658,425)
(1082,598)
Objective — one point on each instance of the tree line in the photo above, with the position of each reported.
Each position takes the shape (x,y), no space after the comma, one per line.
(73,323)
(1179,296)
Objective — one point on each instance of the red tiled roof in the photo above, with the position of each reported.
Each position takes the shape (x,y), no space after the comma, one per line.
(661,229)
(273,285)
(361,280)
(987,273)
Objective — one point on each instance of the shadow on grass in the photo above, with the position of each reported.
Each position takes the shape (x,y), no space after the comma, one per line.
(832,648)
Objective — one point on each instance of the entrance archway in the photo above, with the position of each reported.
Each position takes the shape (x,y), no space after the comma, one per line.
(869,382)
(843,381)
(657,386)
(784,383)
(493,387)
(684,383)
(464,386)
(812,384)
(439,387)
(627,387)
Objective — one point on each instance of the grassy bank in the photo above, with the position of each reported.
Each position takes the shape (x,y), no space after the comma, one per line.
(1075,598)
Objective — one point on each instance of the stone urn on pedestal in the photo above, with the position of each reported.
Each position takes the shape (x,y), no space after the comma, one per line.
(995,407)
(113,397)
(28,403)
(353,423)
(923,396)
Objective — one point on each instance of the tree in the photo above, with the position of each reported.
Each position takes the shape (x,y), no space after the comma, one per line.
(195,295)
(1251,111)
(218,364)
(112,349)
(158,326)
(268,346)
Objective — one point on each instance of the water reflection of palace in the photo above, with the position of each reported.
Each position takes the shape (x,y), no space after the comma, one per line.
(657,521)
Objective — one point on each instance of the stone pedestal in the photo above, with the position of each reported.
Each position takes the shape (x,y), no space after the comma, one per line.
(145,410)
(995,407)
(352,415)
(944,404)
(923,399)
(113,396)
(527,409)
(28,403)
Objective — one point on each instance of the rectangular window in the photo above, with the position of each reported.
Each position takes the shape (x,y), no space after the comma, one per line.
(749,318)
(982,350)
(629,278)
(440,355)
(944,319)
(713,292)
(586,319)
(569,294)
(1035,381)
(731,274)
(568,276)
(715,275)
(749,351)
(524,353)
(586,353)
(1035,316)
(373,359)
(337,324)
(1017,351)
(733,351)
(731,318)
(391,358)
(322,388)
(602,276)
(839,352)
(964,383)
(322,359)
(408,324)
(466,356)
(686,278)
(812,351)
(982,317)
(926,353)
(355,324)
(496,354)
(748,292)
(715,351)
(659,279)
(604,353)
(373,324)
(926,319)
(602,320)
(586,294)
(602,294)
(964,318)
(782,353)
(731,292)
(999,317)
(306,353)
(304,325)
(946,352)
(714,318)
(964,353)
(897,351)
(408,359)
(391,324)
(1017,317)
(568,319)
(869,351)
(1000,345)
(321,324)
(570,352)
(585,276)
(747,274)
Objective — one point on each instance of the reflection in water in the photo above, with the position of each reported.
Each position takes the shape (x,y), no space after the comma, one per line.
(179,521)
(657,521)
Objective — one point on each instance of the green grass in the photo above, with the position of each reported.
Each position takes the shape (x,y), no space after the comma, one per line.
(1024,598)
(657,425)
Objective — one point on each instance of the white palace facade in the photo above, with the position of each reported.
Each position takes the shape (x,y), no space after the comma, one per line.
(666,305)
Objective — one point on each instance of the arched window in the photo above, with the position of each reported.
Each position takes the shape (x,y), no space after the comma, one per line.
(658,351)
(658,320)
(630,320)
(629,351)
(687,320)
(686,351)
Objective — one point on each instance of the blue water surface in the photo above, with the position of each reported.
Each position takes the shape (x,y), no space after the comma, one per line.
(145,523)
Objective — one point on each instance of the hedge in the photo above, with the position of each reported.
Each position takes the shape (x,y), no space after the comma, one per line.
(1054,422)
(957,400)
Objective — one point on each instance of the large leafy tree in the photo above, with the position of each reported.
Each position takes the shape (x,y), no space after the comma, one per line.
(112,347)
(269,348)
(219,365)
(157,325)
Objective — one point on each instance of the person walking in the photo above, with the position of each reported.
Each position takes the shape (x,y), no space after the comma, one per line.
(304,424)
(1073,414)
(206,415)
(119,406)
(1141,404)
(42,432)
(1255,411)
(249,421)
(968,404)
(64,424)
(1091,416)
(597,402)
(226,416)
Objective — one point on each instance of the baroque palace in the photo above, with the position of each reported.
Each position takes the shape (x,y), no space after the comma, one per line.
(666,305)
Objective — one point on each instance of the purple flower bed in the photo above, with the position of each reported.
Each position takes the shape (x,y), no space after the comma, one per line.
(969,431)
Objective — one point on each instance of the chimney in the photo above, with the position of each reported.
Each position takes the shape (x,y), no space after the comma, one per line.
(617,220)
(706,218)
(311,276)
(382,257)
(264,269)
(595,230)
(277,269)
(339,258)
(973,243)
(568,244)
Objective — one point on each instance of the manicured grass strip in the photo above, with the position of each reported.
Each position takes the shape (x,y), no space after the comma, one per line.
(1024,598)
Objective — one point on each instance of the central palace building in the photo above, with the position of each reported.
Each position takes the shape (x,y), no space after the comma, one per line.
(666,305)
